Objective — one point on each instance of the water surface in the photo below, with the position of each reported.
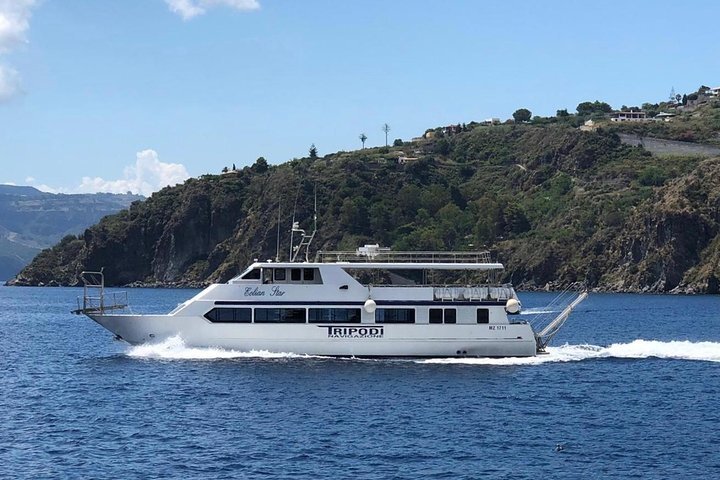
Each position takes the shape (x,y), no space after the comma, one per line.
(630,389)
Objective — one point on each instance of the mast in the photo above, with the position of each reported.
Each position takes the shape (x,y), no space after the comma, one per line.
(293,226)
(306,239)
(277,248)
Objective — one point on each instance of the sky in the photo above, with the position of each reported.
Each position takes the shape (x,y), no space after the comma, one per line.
(133,95)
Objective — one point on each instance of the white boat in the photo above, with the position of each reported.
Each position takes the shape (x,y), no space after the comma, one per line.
(358,304)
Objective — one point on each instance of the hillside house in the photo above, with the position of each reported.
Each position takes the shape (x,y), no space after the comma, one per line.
(664,117)
(490,121)
(589,126)
(452,129)
(628,117)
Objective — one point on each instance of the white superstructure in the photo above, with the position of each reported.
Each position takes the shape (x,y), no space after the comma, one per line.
(359,303)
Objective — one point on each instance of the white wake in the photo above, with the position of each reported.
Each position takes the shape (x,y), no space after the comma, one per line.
(677,350)
(537,311)
(174,348)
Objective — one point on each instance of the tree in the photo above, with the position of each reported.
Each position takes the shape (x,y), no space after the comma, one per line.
(386,129)
(442,146)
(562,113)
(362,138)
(398,142)
(684,99)
(260,165)
(522,115)
(588,108)
(313,151)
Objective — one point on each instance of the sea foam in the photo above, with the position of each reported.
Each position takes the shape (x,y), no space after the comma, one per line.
(637,349)
(537,311)
(174,348)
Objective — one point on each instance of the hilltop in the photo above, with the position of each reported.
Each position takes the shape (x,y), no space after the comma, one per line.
(555,203)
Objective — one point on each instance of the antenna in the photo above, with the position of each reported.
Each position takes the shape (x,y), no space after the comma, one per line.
(305,240)
(314,212)
(293,225)
(277,248)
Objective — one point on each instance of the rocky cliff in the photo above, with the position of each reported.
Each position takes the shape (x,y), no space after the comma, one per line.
(556,205)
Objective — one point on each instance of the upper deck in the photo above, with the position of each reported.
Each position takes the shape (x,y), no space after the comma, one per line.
(375,257)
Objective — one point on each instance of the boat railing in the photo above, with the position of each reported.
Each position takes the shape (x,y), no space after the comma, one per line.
(455,293)
(95,300)
(373,254)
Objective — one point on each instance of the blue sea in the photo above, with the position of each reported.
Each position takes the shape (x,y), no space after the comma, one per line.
(630,389)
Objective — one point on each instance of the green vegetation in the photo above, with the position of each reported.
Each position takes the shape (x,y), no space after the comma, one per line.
(556,204)
(589,108)
(522,115)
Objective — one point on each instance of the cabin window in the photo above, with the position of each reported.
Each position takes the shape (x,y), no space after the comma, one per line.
(253,274)
(229,315)
(439,315)
(334,315)
(395,315)
(483,315)
(436,315)
(267,275)
(295,274)
(279,315)
(308,274)
(279,274)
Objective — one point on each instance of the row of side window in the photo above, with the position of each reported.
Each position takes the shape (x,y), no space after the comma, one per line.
(333,315)
(279,275)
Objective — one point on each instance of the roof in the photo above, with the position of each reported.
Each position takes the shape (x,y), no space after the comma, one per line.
(385,265)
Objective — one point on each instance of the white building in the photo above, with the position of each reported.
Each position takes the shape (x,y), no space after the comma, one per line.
(628,117)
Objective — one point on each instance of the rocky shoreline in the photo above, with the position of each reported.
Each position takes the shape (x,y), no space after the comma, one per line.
(522,287)
(194,285)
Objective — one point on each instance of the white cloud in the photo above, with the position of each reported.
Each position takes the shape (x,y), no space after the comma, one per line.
(188,9)
(9,83)
(148,175)
(29,179)
(14,23)
(48,189)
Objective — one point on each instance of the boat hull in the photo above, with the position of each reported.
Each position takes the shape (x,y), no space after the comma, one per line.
(361,340)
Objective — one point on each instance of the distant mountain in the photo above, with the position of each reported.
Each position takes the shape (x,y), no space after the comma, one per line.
(20,190)
(31,220)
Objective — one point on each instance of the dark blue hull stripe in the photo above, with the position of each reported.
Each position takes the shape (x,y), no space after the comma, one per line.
(416,303)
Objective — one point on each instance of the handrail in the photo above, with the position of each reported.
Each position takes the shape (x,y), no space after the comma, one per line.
(97,303)
(383,256)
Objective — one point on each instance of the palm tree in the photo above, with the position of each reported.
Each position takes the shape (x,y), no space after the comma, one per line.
(386,129)
(363,137)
